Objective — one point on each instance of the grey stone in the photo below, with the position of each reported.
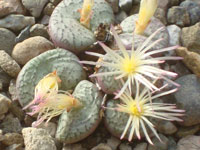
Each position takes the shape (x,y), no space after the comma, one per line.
(45,20)
(174,3)
(55,2)
(174,34)
(161,15)
(12,138)
(179,16)
(158,145)
(119,17)
(4,78)
(7,40)
(141,146)
(184,131)
(180,69)
(35,7)
(187,98)
(11,124)
(15,147)
(101,146)
(24,34)
(113,142)
(165,127)
(73,147)
(50,127)
(190,37)
(30,48)
(17,110)
(124,146)
(48,9)
(16,22)
(172,143)
(190,142)
(12,90)
(39,30)
(4,104)
(8,64)
(125,5)
(37,139)
(163,4)
(193,9)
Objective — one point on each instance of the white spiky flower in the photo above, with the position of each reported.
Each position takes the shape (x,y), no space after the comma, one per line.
(140,108)
(134,65)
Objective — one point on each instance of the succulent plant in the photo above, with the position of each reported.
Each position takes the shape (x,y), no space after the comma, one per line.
(67,32)
(77,124)
(63,61)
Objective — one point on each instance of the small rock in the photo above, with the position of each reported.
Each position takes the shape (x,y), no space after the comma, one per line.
(172,144)
(120,17)
(30,48)
(180,69)
(48,9)
(4,104)
(13,138)
(11,7)
(158,145)
(163,4)
(174,3)
(193,9)
(17,110)
(12,90)
(125,5)
(24,34)
(174,34)
(135,9)
(2,116)
(124,146)
(45,20)
(11,124)
(191,59)
(39,30)
(141,146)
(187,98)
(16,22)
(179,16)
(161,15)
(55,2)
(50,127)
(73,147)
(190,142)
(9,65)
(35,7)
(165,127)
(7,40)
(15,147)
(35,139)
(113,142)
(190,37)
(102,146)
(28,120)
(114,4)
(4,78)
(184,131)
(1,136)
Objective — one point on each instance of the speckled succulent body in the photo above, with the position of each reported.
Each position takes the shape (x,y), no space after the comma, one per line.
(64,62)
(65,28)
(77,124)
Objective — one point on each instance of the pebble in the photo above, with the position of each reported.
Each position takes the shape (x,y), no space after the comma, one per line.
(174,34)
(12,90)
(161,15)
(191,59)
(45,20)
(4,104)
(55,2)
(102,146)
(35,7)
(17,110)
(193,9)
(39,30)
(165,127)
(125,146)
(190,142)
(158,145)
(173,3)
(11,7)
(125,5)
(73,147)
(15,147)
(113,142)
(187,98)
(11,124)
(119,17)
(48,9)
(190,37)
(24,34)
(179,16)
(1,135)
(16,22)
(35,139)
(8,64)
(50,127)
(30,48)
(13,138)
(141,146)
(184,131)
(7,40)
(172,143)
(114,4)
(4,78)
(180,69)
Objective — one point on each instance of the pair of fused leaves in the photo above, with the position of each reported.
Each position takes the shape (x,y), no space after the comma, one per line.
(48,101)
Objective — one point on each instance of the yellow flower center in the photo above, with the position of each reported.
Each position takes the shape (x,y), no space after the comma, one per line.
(136,109)
(129,66)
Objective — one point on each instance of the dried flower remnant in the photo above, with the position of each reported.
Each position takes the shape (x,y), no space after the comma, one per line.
(135,65)
(141,107)
(50,82)
(147,10)
(54,105)
(86,13)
